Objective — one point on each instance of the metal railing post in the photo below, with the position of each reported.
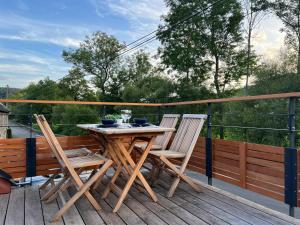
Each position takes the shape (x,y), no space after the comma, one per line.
(290,160)
(30,122)
(208,145)
(221,132)
(104,111)
(159,115)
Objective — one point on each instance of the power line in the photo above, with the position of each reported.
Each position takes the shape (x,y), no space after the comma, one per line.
(152,38)
(137,42)
(173,26)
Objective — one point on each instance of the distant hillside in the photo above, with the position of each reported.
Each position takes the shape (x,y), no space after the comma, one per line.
(11,91)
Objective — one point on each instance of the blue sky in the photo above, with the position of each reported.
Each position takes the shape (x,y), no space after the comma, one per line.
(33,33)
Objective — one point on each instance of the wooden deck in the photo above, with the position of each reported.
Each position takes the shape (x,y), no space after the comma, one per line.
(212,206)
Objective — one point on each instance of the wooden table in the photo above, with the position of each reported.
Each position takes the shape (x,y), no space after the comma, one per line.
(121,154)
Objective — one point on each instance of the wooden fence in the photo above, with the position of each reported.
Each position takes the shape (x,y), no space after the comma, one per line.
(256,167)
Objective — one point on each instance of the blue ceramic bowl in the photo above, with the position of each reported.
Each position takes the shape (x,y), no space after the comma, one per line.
(140,120)
(108,122)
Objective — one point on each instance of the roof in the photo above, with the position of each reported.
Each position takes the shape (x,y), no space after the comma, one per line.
(3,109)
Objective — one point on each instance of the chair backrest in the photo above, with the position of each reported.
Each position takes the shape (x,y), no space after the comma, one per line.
(54,144)
(170,121)
(188,133)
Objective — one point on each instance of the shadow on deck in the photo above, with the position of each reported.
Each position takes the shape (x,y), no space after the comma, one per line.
(212,206)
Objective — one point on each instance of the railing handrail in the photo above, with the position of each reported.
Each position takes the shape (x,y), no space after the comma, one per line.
(78,102)
(196,102)
(236,99)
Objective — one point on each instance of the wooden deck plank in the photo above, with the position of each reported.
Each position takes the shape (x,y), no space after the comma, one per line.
(23,206)
(198,212)
(258,213)
(49,211)
(262,215)
(72,215)
(157,209)
(180,212)
(244,205)
(227,208)
(106,213)
(143,212)
(3,207)
(227,217)
(33,208)
(15,211)
(124,212)
(86,210)
(146,215)
(163,213)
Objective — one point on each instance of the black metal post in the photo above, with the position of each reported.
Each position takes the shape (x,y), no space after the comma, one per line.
(208,145)
(30,122)
(290,160)
(30,157)
(104,111)
(159,114)
(221,132)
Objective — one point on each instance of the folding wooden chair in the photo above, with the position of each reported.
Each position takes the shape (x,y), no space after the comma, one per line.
(161,142)
(182,148)
(70,154)
(72,168)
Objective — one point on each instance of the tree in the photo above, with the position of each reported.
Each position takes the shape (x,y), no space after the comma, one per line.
(76,86)
(288,11)
(96,56)
(212,39)
(253,17)
(65,118)
(43,90)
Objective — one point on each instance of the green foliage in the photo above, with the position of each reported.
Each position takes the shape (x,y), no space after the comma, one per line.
(208,40)
(11,91)
(65,118)
(113,117)
(43,90)
(76,86)
(97,56)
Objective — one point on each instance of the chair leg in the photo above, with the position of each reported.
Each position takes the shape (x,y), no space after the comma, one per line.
(54,189)
(173,187)
(84,190)
(50,179)
(180,175)
(60,190)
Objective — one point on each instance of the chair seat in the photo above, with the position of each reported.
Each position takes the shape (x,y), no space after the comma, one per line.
(168,154)
(77,152)
(87,161)
(143,147)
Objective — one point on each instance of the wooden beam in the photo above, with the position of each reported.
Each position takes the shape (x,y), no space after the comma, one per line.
(236,99)
(77,102)
(197,102)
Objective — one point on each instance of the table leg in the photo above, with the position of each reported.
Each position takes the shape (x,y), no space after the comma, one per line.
(136,172)
(119,160)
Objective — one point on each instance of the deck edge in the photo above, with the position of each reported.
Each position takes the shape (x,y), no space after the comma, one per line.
(249,203)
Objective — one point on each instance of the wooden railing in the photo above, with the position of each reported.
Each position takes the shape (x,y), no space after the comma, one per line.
(220,100)
(268,170)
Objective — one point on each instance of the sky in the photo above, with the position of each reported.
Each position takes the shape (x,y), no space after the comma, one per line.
(33,33)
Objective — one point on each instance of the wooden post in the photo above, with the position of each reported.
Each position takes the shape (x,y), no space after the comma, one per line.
(243,164)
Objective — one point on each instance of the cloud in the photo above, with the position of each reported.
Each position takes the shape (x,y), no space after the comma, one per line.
(267,39)
(24,29)
(19,68)
(142,15)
